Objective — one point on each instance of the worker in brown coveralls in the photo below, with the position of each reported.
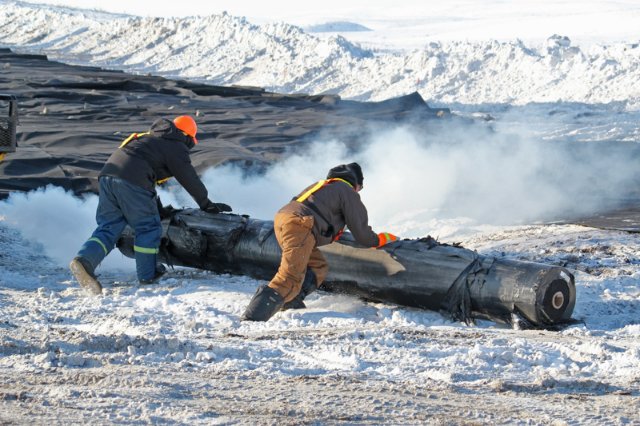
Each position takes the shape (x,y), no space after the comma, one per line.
(314,218)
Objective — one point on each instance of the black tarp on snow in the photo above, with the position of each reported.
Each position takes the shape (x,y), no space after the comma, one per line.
(71,119)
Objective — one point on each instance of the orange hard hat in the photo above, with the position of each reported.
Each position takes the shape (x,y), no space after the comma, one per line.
(187,125)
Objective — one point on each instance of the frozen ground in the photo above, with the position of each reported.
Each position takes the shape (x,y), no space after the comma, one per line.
(176,352)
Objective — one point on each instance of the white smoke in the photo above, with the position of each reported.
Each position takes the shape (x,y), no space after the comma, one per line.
(59,221)
(414,182)
(412,178)
(261,195)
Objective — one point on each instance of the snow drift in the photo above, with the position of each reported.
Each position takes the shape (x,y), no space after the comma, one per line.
(222,49)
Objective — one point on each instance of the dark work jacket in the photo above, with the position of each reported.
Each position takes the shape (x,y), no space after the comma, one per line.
(340,204)
(161,154)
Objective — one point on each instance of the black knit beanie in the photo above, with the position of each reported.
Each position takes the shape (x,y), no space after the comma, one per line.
(352,173)
(358,171)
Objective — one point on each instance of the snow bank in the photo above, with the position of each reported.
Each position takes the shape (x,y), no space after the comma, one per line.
(222,49)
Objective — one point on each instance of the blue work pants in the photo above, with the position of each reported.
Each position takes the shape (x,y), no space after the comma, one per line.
(123,203)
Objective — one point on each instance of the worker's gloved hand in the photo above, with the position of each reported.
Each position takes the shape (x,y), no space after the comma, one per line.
(164,211)
(167,211)
(386,238)
(211,207)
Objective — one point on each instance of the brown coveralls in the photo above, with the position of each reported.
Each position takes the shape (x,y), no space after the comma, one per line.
(300,231)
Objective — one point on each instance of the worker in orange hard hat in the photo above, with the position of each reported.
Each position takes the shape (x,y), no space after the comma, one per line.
(188,125)
(128,197)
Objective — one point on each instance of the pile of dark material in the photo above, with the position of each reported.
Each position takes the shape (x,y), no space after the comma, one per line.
(71,119)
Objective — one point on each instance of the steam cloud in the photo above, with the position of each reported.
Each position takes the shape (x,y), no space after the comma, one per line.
(413,181)
(59,222)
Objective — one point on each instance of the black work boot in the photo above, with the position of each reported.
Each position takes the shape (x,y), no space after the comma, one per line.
(309,285)
(83,272)
(263,305)
(160,271)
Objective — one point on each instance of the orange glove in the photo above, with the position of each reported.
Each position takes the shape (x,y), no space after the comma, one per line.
(385,238)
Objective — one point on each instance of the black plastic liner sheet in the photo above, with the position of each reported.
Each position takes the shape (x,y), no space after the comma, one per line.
(420,273)
(72,118)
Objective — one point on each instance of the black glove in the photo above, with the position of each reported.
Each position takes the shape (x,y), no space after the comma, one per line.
(165,211)
(216,208)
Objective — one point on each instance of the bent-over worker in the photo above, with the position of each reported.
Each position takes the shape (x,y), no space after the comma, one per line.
(316,217)
(127,195)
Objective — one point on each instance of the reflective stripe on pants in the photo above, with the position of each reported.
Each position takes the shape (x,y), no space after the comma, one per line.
(123,203)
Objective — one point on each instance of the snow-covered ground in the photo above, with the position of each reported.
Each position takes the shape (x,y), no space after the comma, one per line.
(176,352)
(225,49)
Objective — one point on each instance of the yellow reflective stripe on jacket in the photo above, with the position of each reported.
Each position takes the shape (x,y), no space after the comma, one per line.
(307,194)
(317,186)
(341,180)
(145,250)
(131,137)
